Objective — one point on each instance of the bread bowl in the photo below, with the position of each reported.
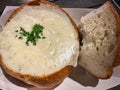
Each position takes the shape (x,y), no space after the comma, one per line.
(42,62)
(101,41)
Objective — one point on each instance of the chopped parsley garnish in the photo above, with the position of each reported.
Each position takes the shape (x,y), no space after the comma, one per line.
(33,36)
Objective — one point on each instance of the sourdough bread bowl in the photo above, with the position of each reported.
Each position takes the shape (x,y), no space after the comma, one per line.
(100,31)
(39,44)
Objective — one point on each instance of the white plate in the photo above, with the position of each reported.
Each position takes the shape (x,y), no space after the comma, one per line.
(79,79)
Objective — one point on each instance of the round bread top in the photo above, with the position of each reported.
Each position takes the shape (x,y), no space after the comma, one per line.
(39,40)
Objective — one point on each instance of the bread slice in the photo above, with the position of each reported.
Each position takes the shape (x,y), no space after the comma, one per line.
(49,61)
(101,33)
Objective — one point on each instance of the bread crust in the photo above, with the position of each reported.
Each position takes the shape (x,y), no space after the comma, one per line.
(38,2)
(40,81)
(117,16)
(116,60)
(47,81)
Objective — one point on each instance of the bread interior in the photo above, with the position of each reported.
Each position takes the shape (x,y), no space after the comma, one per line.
(99,42)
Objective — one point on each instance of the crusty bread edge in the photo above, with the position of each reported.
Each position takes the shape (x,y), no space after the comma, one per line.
(117,57)
(117,16)
(37,2)
(41,81)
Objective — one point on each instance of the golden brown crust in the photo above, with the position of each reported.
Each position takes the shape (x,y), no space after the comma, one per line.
(117,16)
(32,3)
(15,12)
(117,57)
(38,2)
(116,60)
(40,81)
(109,74)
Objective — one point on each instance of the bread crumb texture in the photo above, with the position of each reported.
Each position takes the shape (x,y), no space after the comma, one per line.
(99,41)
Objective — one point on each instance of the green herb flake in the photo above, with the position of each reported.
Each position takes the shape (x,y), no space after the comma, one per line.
(33,36)
(20,37)
(16,31)
(43,37)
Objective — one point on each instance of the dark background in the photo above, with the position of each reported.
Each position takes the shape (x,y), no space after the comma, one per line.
(62,3)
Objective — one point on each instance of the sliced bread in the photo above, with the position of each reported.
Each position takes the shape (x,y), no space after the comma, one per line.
(101,33)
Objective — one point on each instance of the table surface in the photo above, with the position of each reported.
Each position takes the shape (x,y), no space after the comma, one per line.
(62,3)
